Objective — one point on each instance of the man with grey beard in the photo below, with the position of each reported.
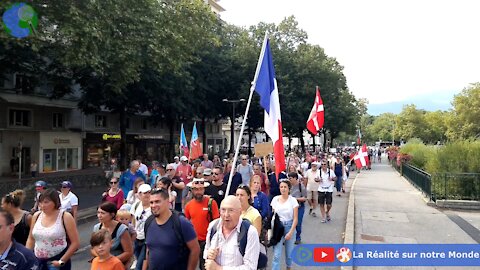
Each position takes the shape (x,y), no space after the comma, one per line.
(201,210)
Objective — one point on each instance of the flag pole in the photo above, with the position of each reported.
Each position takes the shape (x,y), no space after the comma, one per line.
(252,89)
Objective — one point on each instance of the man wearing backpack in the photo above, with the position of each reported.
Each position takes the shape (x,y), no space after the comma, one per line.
(170,238)
(201,211)
(230,233)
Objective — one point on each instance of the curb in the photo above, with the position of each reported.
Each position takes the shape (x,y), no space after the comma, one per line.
(350,224)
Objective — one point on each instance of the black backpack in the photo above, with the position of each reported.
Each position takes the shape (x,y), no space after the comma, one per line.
(242,242)
(183,251)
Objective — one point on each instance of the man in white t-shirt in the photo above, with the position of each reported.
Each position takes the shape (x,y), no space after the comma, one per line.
(325,190)
(313,178)
(141,211)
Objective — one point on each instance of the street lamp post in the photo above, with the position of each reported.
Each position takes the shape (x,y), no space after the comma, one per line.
(232,127)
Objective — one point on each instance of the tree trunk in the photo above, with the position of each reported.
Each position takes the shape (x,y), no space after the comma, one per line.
(123,139)
(324,139)
(204,134)
(302,142)
(289,143)
(171,128)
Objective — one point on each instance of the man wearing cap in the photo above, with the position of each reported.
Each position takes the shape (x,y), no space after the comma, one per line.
(68,200)
(207,175)
(176,162)
(207,163)
(184,171)
(40,186)
(201,211)
(313,178)
(217,188)
(141,211)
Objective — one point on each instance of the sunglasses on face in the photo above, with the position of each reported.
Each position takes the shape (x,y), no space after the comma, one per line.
(215,173)
(113,182)
(198,182)
(169,170)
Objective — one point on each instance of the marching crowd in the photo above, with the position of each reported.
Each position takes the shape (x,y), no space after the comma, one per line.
(178,215)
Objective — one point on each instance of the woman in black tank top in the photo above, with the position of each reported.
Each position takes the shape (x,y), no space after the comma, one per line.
(12,203)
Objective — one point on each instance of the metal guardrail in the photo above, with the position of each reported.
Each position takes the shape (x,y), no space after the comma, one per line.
(420,179)
(442,186)
(456,186)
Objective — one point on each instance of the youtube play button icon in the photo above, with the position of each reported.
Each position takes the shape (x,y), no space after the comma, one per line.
(324,254)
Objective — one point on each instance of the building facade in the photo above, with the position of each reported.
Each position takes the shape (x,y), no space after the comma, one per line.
(57,136)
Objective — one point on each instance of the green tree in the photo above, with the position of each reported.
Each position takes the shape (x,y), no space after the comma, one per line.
(410,123)
(463,123)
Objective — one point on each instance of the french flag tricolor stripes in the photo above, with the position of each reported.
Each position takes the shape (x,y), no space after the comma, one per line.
(266,86)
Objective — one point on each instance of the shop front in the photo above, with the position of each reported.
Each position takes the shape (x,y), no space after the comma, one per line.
(103,149)
(60,151)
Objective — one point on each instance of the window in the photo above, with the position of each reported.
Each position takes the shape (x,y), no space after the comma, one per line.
(144,124)
(23,83)
(57,120)
(100,121)
(20,118)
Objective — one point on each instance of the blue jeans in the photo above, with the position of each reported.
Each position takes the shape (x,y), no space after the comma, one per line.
(139,251)
(301,211)
(338,183)
(289,245)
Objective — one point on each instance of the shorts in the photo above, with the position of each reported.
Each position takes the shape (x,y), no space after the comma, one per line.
(311,195)
(325,197)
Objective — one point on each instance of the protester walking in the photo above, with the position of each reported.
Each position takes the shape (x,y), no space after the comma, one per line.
(53,236)
(114,194)
(298,192)
(201,210)
(129,176)
(122,243)
(12,203)
(68,200)
(141,211)
(14,255)
(325,191)
(249,212)
(40,186)
(101,242)
(259,199)
(132,196)
(162,232)
(287,209)
(222,250)
(313,177)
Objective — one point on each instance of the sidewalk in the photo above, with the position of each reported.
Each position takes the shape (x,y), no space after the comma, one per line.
(389,210)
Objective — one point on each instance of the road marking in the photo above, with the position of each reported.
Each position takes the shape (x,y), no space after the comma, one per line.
(468,228)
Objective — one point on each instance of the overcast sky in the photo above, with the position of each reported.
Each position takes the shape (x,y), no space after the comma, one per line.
(392,50)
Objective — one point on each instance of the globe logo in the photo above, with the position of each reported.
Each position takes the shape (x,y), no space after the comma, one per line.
(20,20)
(344,254)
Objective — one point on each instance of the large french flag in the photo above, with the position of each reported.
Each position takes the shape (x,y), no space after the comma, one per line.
(266,86)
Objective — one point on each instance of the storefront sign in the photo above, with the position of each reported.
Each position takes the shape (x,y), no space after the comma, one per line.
(61,141)
(106,137)
(149,137)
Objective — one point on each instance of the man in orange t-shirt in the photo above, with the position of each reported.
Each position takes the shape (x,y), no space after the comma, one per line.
(197,211)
